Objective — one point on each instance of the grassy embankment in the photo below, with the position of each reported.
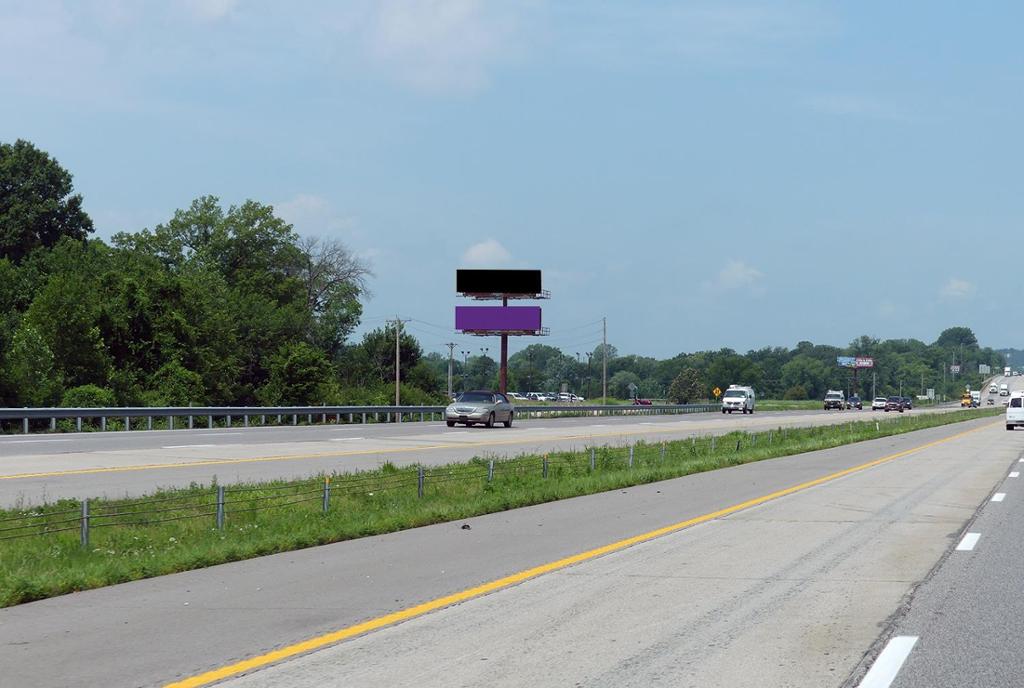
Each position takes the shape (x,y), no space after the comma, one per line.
(140,538)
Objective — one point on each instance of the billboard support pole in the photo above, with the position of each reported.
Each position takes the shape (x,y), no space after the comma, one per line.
(503,370)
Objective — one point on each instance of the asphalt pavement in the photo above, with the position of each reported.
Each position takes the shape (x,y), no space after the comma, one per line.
(788,592)
(34,469)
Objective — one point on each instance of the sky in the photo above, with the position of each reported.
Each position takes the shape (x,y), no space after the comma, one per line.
(702,174)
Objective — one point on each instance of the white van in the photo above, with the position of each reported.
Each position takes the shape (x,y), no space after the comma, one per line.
(1004,390)
(1015,411)
(738,398)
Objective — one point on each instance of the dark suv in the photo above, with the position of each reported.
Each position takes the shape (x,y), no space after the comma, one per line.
(908,403)
(894,404)
(854,402)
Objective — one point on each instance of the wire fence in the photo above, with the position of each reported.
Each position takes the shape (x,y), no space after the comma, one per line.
(219,503)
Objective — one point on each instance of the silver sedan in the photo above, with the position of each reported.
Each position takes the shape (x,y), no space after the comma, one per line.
(480,407)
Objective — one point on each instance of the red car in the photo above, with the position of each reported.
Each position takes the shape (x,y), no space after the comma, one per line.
(641,402)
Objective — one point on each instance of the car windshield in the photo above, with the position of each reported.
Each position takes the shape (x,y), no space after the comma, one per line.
(879,398)
(477,397)
(1015,402)
(894,399)
(833,396)
(734,393)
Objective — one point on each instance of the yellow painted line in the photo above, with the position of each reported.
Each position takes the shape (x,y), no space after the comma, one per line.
(322,641)
(358,452)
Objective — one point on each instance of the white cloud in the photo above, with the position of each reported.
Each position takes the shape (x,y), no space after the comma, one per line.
(735,275)
(438,45)
(957,289)
(313,214)
(210,10)
(486,254)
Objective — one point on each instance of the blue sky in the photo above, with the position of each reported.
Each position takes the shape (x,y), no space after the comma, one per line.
(704,174)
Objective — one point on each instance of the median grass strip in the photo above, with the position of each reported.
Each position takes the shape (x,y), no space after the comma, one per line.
(41,554)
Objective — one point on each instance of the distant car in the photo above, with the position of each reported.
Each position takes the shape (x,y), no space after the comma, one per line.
(480,406)
(854,402)
(894,404)
(515,395)
(878,404)
(834,400)
(908,403)
(641,402)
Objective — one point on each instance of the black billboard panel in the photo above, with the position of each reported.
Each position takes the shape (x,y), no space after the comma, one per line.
(517,282)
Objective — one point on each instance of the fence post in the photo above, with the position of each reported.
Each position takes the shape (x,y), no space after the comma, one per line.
(737,444)
(631,456)
(592,462)
(712,443)
(85,524)
(419,482)
(490,470)
(327,493)
(544,466)
(220,507)
(663,452)
(769,437)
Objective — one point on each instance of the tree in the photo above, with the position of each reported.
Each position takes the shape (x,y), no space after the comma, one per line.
(379,346)
(299,375)
(618,385)
(175,385)
(29,369)
(687,387)
(334,280)
(954,337)
(37,207)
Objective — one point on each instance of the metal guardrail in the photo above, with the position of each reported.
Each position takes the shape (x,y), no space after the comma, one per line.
(229,416)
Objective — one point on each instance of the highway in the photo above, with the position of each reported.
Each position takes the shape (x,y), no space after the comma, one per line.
(117,464)
(714,579)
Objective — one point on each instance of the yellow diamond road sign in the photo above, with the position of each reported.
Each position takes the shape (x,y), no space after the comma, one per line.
(717,392)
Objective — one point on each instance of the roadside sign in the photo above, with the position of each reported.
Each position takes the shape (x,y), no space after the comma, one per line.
(846,361)
(930,393)
(955,369)
(717,392)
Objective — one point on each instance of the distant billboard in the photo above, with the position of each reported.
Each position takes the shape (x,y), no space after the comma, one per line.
(984,369)
(498,319)
(865,362)
(513,282)
(855,362)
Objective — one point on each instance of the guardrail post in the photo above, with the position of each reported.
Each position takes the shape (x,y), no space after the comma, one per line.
(103,424)
(220,507)
(84,537)
(364,417)
(309,419)
(24,425)
(229,421)
(170,422)
(327,493)
(490,470)
(295,419)
(279,419)
(419,482)
(245,420)
(53,424)
(263,419)
(127,423)
(191,422)
(209,422)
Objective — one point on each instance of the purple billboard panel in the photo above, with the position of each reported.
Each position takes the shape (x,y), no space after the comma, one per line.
(497,318)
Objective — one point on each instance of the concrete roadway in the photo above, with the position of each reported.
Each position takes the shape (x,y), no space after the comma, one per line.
(41,468)
(777,590)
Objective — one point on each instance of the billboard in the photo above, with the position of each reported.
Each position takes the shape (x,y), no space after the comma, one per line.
(855,362)
(497,318)
(517,282)
(865,362)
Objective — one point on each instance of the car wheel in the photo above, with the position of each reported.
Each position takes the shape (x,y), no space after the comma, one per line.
(450,423)
(508,423)
(490,421)
(723,411)
(1009,427)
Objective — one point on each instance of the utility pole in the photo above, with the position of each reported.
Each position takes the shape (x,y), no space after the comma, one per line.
(872,387)
(604,362)
(398,337)
(451,356)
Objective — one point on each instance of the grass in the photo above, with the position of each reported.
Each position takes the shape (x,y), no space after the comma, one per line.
(174,530)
